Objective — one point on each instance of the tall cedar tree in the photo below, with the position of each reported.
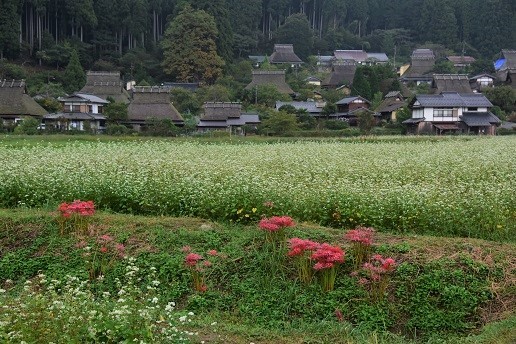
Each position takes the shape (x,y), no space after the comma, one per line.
(189,49)
(9,28)
(296,31)
(74,77)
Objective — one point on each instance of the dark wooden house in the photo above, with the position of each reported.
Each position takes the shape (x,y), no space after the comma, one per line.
(270,77)
(106,85)
(226,116)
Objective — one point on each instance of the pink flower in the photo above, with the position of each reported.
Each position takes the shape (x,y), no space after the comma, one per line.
(328,255)
(106,238)
(186,249)
(283,221)
(81,244)
(192,259)
(300,246)
(103,249)
(361,235)
(206,263)
(120,247)
(267,225)
(213,253)
(268,204)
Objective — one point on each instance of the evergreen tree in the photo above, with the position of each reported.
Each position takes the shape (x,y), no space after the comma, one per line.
(74,77)
(296,31)
(189,50)
(361,86)
(9,28)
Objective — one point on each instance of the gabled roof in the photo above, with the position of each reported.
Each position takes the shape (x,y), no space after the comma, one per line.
(221,111)
(452,99)
(379,57)
(190,86)
(356,55)
(479,119)
(391,102)
(14,101)
(75,115)
(451,83)
(422,62)
(152,102)
(106,84)
(461,60)
(510,59)
(83,98)
(484,75)
(349,100)
(284,53)
(270,77)
(310,107)
(342,73)
(394,94)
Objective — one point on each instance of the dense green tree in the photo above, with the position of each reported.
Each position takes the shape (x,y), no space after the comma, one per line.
(438,23)
(444,67)
(74,77)
(29,126)
(163,127)
(296,31)
(366,121)
(361,86)
(214,93)
(264,95)
(329,109)
(218,9)
(502,96)
(116,112)
(9,28)
(189,50)
(279,123)
(244,16)
(186,102)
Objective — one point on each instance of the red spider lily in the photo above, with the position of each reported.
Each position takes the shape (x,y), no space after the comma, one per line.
(213,253)
(378,271)
(276,223)
(106,238)
(361,235)
(300,246)
(103,249)
(192,259)
(327,255)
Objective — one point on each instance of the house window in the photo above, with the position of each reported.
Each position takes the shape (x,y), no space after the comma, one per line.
(443,112)
(76,108)
(472,109)
(90,108)
(99,110)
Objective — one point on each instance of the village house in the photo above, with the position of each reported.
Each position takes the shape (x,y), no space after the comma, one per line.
(342,74)
(151,103)
(349,108)
(284,54)
(458,83)
(275,78)
(452,112)
(391,104)
(461,62)
(82,112)
(481,81)
(226,116)
(16,104)
(361,57)
(506,68)
(105,85)
(313,108)
(422,61)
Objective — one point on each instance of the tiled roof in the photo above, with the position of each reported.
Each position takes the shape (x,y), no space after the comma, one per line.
(357,55)
(381,57)
(75,115)
(348,100)
(479,119)
(89,98)
(311,107)
(453,100)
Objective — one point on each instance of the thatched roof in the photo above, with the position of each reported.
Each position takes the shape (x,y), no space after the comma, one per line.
(422,62)
(460,61)
(221,111)
(14,101)
(342,73)
(507,72)
(270,77)
(451,83)
(152,102)
(106,84)
(284,53)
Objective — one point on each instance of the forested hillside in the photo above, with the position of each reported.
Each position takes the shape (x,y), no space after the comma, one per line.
(127,33)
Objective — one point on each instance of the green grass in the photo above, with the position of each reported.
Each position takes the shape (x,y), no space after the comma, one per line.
(250,302)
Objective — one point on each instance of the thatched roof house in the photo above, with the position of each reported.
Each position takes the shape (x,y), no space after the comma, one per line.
(390,105)
(151,102)
(16,103)
(284,53)
(506,67)
(226,116)
(104,85)
(270,77)
(342,73)
(422,62)
(451,83)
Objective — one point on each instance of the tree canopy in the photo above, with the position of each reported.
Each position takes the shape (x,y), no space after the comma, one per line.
(189,49)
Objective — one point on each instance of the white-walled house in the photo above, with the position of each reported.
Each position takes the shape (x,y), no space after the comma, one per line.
(452,112)
(80,112)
